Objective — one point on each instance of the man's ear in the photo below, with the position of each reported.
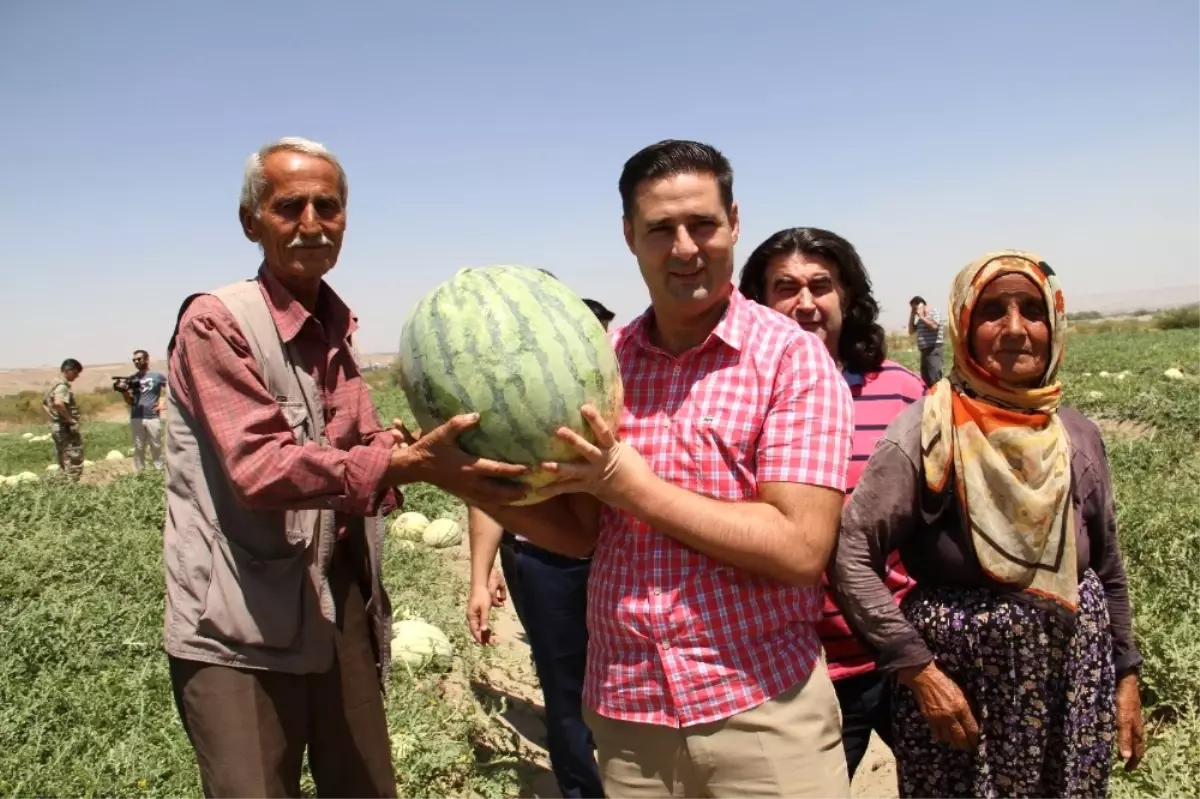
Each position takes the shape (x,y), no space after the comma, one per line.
(249,223)
(627,226)
(735,222)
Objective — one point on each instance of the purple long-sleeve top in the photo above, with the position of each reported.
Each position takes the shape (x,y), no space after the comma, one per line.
(892,509)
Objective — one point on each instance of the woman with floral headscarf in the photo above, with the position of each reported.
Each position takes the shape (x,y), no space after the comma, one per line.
(1014,662)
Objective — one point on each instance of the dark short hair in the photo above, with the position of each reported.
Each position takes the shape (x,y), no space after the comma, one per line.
(71,363)
(141,352)
(917,300)
(602,313)
(672,157)
(862,345)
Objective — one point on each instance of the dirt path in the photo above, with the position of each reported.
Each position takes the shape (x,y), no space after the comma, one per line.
(510,679)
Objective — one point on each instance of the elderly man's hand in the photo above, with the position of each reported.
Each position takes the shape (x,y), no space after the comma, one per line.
(435,458)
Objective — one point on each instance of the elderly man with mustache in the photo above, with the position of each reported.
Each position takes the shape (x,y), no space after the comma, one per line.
(278,473)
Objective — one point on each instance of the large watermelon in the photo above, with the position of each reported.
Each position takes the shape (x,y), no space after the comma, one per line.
(521,349)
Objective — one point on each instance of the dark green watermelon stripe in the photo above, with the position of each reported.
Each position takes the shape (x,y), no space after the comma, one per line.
(575,347)
(535,418)
(529,341)
(505,321)
(580,369)
(536,296)
(516,453)
(584,361)
(414,370)
(454,389)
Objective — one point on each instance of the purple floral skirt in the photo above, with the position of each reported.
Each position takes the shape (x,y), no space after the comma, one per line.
(1044,697)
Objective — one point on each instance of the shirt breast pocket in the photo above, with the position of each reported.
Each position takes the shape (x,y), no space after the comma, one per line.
(296,414)
(722,445)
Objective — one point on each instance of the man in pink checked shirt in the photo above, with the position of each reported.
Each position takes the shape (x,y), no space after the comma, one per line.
(714,508)
(277,627)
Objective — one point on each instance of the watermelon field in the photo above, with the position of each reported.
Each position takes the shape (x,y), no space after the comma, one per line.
(85,705)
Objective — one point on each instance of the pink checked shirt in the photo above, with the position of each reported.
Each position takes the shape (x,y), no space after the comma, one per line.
(678,638)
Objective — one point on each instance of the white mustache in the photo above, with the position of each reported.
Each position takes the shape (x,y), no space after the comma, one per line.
(310,241)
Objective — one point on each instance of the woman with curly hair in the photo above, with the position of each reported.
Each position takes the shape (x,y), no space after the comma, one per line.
(818,279)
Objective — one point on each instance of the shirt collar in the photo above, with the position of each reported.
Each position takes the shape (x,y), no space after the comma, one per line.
(290,316)
(853,378)
(730,329)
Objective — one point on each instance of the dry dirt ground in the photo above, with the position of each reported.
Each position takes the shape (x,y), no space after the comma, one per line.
(510,680)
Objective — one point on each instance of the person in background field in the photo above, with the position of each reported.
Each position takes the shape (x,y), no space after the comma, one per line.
(277,627)
(549,593)
(59,404)
(926,323)
(1014,654)
(145,394)
(818,279)
(713,509)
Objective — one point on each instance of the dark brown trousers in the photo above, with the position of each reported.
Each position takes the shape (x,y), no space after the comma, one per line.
(249,728)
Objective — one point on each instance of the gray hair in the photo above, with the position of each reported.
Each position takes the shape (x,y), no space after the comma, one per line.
(254,183)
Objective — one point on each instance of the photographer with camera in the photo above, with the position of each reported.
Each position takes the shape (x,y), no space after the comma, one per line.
(145,394)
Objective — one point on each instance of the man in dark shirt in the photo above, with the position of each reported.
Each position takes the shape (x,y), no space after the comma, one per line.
(145,394)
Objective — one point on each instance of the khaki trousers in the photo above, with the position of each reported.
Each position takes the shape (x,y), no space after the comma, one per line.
(790,746)
(249,728)
(147,435)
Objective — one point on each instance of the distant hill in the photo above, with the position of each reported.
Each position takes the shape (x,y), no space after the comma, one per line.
(1123,302)
(98,376)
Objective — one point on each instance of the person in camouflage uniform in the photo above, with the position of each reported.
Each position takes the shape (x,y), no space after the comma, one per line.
(60,405)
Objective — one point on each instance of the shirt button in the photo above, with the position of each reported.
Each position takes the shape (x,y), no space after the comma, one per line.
(675,370)
(666,644)
(655,591)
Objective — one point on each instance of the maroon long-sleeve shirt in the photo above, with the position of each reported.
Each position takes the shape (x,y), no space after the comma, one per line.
(216,379)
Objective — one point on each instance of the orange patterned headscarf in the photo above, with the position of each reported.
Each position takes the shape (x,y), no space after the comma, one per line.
(1005,446)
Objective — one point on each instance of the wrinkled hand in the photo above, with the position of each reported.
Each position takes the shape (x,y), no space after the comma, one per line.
(943,705)
(435,458)
(1131,731)
(610,470)
(479,606)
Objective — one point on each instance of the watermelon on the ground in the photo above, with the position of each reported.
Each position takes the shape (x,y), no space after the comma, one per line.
(442,533)
(419,643)
(517,346)
(408,526)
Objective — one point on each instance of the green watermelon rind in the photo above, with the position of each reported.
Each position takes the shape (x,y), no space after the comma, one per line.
(450,363)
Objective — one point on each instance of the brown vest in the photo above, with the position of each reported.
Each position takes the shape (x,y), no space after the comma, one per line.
(247,587)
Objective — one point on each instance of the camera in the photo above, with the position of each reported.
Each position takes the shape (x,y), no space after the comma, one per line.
(122,384)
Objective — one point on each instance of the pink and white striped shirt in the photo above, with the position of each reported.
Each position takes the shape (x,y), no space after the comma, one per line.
(676,637)
(879,397)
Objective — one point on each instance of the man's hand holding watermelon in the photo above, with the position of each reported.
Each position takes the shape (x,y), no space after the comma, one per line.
(435,458)
(609,470)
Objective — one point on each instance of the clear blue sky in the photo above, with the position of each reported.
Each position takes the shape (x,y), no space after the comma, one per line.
(475,133)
